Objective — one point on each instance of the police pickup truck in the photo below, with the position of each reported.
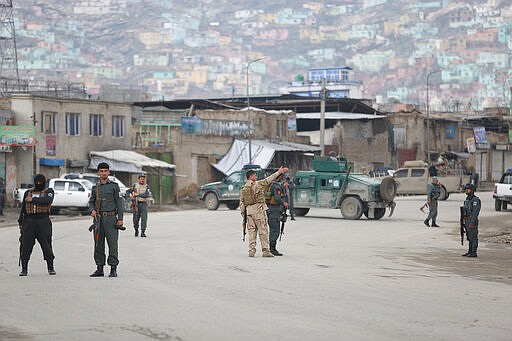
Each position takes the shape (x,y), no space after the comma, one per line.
(502,194)
(331,184)
(227,191)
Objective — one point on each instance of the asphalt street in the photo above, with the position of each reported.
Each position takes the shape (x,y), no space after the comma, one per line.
(191,279)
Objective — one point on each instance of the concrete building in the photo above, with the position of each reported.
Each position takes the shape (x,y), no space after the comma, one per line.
(54,135)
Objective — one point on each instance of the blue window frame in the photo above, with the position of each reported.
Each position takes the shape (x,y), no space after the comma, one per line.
(72,124)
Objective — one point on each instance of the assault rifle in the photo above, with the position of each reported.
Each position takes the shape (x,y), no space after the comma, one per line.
(134,206)
(462,211)
(283,221)
(244,225)
(422,208)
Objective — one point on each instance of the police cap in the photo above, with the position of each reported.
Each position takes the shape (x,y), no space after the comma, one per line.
(470,186)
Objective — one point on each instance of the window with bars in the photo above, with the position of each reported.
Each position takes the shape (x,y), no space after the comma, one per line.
(72,124)
(95,125)
(118,126)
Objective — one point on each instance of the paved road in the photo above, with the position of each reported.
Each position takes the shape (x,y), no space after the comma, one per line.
(191,279)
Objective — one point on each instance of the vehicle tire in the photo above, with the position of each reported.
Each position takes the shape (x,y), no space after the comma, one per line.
(211,201)
(377,214)
(497,205)
(351,208)
(388,188)
(300,212)
(504,205)
(232,205)
(54,210)
(444,193)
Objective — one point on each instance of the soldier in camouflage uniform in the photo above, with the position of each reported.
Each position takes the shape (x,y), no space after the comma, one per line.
(471,211)
(276,206)
(433,193)
(106,205)
(252,205)
(34,222)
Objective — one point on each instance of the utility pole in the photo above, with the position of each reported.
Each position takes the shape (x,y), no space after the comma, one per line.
(34,157)
(8,51)
(248,105)
(323,95)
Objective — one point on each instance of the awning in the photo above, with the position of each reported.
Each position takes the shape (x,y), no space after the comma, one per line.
(262,153)
(131,162)
(51,162)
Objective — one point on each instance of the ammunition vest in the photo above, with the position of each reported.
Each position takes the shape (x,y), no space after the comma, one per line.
(32,208)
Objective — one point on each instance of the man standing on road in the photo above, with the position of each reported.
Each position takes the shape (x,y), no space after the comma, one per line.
(471,211)
(433,193)
(288,189)
(106,206)
(34,222)
(276,206)
(140,195)
(254,209)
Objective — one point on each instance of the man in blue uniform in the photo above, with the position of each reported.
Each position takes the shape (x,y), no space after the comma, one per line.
(471,211)
(276,206)
(433,193)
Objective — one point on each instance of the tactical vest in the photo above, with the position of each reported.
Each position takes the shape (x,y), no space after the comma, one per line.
(271,198)
(139,189)
(252,194)
(32,208)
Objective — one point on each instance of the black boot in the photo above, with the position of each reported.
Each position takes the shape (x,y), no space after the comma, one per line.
(426,223)
(51,270)
(143,233)
(273,249)
(98,272)
(24,268)
(113,271)
(136,232)
(434,224)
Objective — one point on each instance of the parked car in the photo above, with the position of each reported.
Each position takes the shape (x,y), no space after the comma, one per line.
(69,193)
(503,191)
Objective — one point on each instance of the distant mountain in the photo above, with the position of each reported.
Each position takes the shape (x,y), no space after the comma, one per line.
(185,49)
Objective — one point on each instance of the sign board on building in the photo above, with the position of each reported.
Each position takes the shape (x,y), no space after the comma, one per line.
(470,143)
(51,145)
(21,136)
(450,131)
(480,136)
(198,126)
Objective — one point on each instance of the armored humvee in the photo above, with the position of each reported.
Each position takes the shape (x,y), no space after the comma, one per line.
(331,184)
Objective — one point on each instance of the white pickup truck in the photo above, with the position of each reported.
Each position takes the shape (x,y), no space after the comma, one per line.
(69,193)
(414,178)
(503,191)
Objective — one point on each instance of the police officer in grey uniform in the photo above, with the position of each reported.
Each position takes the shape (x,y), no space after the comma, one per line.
(433,193)
(140,194)
(35,224)
(276,206)
(471,210)
(106,205)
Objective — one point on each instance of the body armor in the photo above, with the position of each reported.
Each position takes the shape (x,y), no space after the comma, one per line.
(32,208)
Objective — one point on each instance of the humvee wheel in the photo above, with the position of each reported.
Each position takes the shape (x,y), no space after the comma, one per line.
(377,213)
(301,212)
(497,205)
(211,201)
(351,208)
(388,188)
(232,205)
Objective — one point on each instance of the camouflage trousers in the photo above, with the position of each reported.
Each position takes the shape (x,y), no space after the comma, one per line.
(258,224)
